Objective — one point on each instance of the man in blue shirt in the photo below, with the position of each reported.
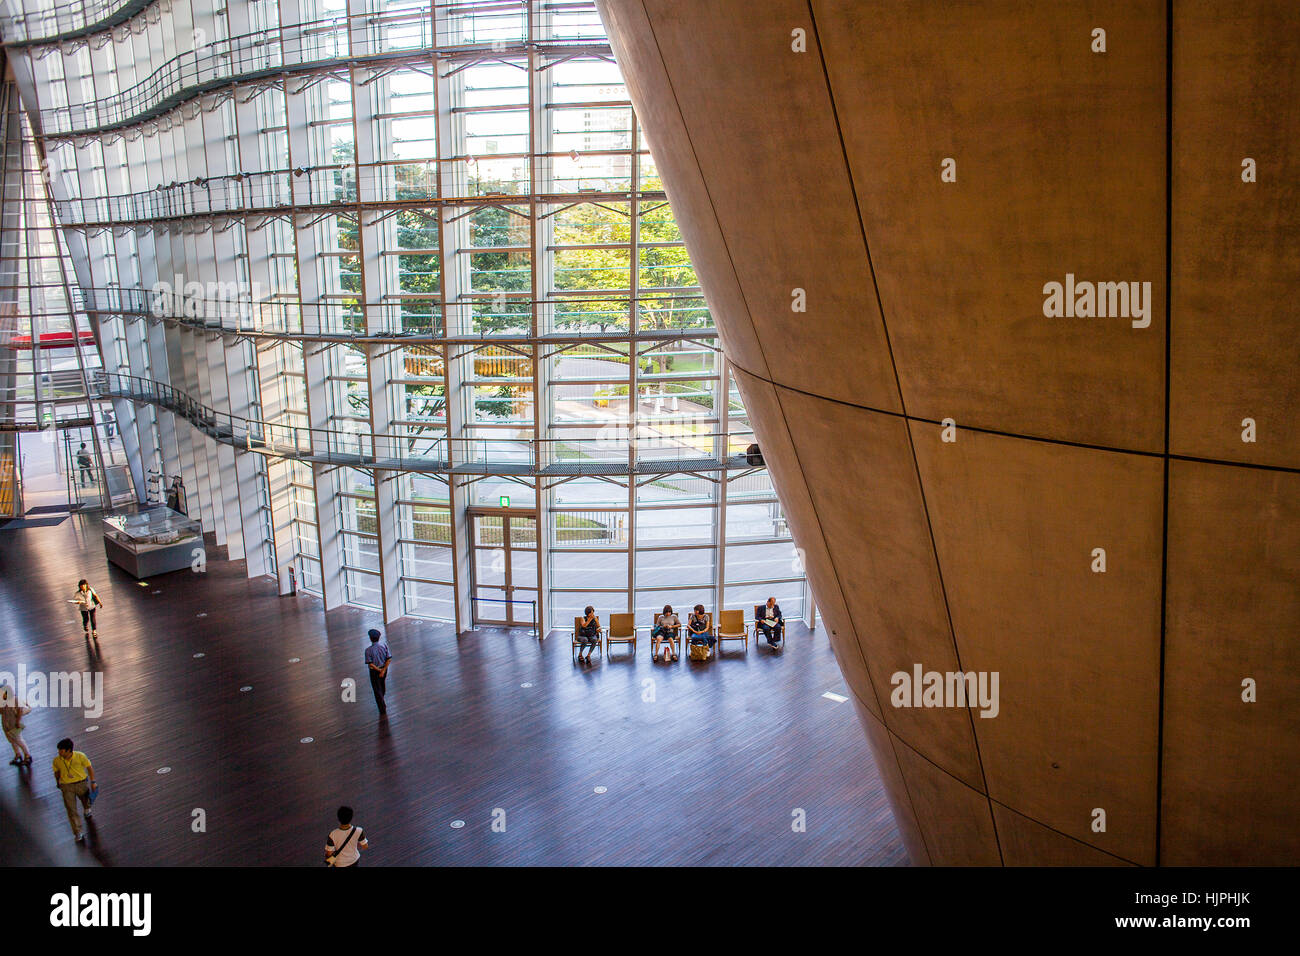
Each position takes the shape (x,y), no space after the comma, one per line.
(377,660)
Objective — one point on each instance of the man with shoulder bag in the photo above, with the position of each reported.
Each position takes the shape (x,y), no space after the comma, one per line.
(344,844)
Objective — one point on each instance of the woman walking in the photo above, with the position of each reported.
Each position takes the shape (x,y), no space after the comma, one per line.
(88,601)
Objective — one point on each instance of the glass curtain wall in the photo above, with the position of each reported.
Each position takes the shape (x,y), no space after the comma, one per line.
(377,271)
(58,441)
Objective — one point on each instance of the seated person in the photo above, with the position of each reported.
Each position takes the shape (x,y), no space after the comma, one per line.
(666,628)
(698,625)
(771,623)
(588,634)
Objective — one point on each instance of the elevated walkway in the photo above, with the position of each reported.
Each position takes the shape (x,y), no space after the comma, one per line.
(640,455)
(67,22)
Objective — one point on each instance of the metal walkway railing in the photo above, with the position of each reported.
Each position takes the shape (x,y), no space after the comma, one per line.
(291,49)
(336,322)
(67,21)
(613,453)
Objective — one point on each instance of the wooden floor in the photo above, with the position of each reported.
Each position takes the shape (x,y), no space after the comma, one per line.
(703,764)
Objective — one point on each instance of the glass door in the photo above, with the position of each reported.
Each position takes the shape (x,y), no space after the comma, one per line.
(504,545)
(81,469)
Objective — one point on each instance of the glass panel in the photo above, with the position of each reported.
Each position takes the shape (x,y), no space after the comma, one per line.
(522,606)
(523,567)
(585,529)
(523,532)
(362,588)
(689,567)
(490,567)
(433,562)
(433,601)
(490,604)
(669,526)
(788,594)
(764,520)
(762,562)
(489,530)
(565,606)
(361,552)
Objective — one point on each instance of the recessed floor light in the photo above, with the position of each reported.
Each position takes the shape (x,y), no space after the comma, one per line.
(200,654)
(602,789)
(202,614)
(164,769)
(306,740)
(526,684)
(92,728)
(294,660)
(246,688)
(457,824)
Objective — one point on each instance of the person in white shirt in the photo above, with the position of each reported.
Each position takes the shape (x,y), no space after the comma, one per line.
(87,601)
(344,844)
(667,627)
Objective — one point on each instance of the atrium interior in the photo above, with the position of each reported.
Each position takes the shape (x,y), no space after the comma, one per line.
(871,421)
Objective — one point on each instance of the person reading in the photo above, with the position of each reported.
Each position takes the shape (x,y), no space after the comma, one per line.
(771,623)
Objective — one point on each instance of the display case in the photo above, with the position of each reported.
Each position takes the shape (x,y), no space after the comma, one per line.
(151,540)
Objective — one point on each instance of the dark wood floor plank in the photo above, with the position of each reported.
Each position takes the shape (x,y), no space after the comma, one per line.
(707,773)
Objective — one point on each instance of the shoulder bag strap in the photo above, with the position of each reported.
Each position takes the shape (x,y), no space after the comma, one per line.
(351,834)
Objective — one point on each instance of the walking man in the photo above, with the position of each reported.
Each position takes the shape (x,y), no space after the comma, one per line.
(85,475)
(378,658)
(344,845)
(76,778)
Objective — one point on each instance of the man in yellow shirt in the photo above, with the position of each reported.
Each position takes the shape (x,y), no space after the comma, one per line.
(76,778)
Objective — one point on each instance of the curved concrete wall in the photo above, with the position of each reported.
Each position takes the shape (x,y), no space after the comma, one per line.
(803,145)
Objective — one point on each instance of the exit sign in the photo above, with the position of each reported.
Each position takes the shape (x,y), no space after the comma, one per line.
(505,501)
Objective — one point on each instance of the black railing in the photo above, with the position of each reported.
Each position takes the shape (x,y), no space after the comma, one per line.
(394,34)
(409,317)
(618,449)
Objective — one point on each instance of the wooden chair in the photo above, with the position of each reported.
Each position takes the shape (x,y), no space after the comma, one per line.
(622,630)
(577,641)
(688,634)
(759,610)
(676,642)
(732,627)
